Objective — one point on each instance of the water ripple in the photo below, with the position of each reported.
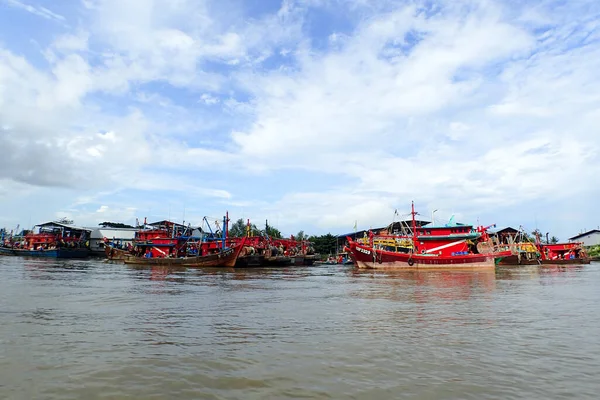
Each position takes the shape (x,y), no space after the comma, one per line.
(93,329)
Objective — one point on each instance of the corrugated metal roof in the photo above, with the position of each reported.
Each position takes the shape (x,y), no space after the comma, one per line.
(54,223)
(585,234)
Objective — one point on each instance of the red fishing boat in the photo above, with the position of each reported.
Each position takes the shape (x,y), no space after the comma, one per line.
(449,247)
(53,240)
(528,253)
(166,247)
(266,251)
(563,253)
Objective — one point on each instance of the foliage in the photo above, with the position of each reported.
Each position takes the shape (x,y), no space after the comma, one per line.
(301,236)
(273,232)
(114,225)
(238,229)
(324,244)
(543,238)
(594,251)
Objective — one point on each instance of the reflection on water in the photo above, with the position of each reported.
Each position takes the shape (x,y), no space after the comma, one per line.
(93,329)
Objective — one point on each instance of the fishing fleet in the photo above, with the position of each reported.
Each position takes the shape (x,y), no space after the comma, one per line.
(410,245)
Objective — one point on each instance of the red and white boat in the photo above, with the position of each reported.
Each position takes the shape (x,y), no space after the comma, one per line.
(454,247)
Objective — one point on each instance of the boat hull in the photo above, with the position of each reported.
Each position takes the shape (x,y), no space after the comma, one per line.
(225,258)
(571,261)
(515,260)
(114,254)
(7,251)
(55,253)
(368,258)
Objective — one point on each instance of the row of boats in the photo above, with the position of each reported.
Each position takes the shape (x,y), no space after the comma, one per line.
(171,245)
(456,247)
(413,246)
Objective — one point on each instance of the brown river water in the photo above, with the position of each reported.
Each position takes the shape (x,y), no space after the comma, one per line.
(97,330)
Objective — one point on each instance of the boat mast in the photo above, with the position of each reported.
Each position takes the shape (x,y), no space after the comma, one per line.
(224,233)
(414,225)
(227,224)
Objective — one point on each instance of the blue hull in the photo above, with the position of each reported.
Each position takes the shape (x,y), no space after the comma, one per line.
(57,253)
(6,251)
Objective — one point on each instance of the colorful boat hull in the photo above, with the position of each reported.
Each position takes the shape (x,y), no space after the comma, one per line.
(369,258)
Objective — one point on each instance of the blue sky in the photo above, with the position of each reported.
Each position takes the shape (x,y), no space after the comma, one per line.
(310,113)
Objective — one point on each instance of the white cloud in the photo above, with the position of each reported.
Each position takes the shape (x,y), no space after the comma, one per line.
(36,10)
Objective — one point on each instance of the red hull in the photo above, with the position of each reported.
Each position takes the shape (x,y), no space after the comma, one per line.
(369,258)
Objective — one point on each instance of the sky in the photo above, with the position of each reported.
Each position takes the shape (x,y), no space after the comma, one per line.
(313,114)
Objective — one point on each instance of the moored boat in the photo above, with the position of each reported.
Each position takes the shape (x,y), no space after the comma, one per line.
(455,247)
(223,258)
(52,240)
(564,254)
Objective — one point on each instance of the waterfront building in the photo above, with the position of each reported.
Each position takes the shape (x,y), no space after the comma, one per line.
(121,236)
(589,238)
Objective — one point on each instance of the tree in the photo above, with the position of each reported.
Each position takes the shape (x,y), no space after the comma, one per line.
(300,236)
(553,240)
(272,232)
(239,229)
(324,244)
(114,225)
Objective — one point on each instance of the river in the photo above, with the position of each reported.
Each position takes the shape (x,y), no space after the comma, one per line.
(97,330)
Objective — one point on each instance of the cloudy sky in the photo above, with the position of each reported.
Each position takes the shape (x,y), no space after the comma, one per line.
(311,113)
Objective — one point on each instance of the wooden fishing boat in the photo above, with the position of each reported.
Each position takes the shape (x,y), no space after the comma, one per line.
(53,240)
(371,258)
(223,258)
(265,251)
(564,254)
(453,247)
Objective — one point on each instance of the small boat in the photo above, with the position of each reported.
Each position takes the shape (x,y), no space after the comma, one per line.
(538,253)
(564,254)
(451,247)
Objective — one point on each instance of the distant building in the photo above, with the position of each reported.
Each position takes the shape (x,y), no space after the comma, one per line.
(589,238)
(504,234)
(65,230)
(122,235)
